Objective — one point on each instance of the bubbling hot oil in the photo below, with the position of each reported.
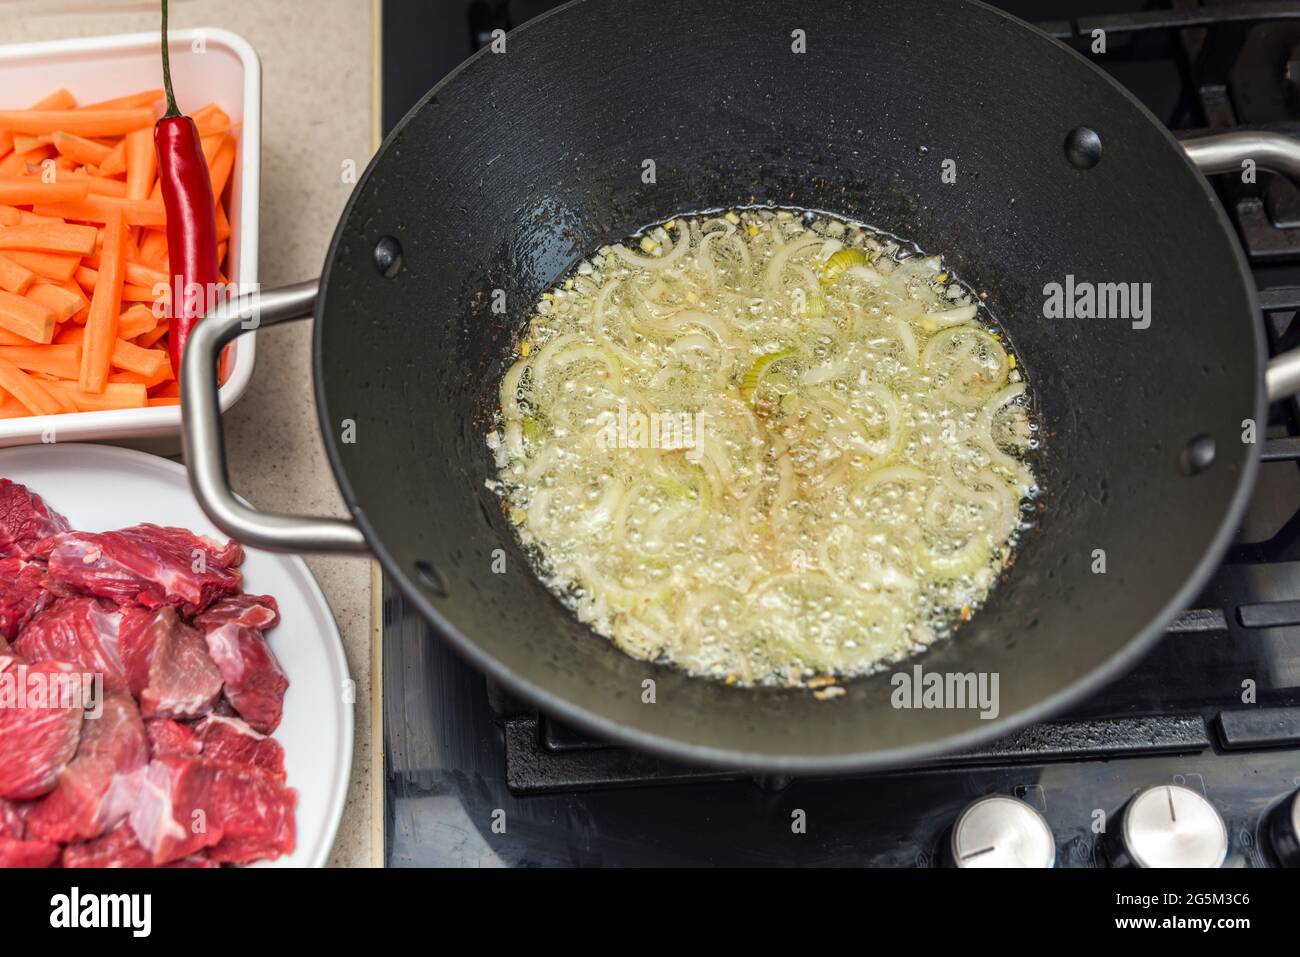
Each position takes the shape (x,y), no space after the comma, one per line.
(767,446)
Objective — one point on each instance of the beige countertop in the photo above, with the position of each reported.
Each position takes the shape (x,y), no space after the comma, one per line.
(316,116)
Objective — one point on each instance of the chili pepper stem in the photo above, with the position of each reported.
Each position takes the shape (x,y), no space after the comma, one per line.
(172,109)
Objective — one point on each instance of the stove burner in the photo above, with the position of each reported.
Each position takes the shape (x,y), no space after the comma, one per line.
(1211,717)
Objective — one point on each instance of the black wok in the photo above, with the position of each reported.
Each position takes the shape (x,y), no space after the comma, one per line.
(521,163)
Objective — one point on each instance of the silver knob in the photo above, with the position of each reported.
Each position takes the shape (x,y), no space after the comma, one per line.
(1173,826)
(1284,831)
(1000,831)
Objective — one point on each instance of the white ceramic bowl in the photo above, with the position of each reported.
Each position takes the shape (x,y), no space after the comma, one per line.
(208,66)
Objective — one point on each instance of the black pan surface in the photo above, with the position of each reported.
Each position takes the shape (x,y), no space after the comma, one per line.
(520,163)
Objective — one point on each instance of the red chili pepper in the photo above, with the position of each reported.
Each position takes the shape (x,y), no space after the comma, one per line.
(191,216)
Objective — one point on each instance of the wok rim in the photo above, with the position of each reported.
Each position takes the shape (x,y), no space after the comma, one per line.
(781,762)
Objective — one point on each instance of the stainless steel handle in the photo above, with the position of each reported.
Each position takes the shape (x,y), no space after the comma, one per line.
(1224,153)
(205,448)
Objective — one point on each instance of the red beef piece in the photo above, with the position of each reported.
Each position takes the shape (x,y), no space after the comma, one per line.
(95,791)
(11,820)
(167,664)
(77,630)
(249,611)
(145,565)
(187,804)
(19,853)
(234,742)
(254,682)
(22,594)
(40,725)
(25,519)
(117,848)
(168,737)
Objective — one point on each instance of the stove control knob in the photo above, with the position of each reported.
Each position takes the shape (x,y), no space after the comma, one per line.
(1172,826)
(1284,831)
(1000,831)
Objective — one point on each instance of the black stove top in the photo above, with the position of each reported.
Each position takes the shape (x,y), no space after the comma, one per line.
(477,778)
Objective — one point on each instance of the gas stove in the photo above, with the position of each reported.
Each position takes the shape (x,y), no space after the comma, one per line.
(1202,737)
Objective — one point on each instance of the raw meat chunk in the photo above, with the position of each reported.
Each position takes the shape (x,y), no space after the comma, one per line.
(80,631)
(187,804)
(40,725)
(254,682)
(11,821)
(117,848)
(25,519)
(18,853)
(145,565)
(167,664)
(250,611)
(234,742)
(171,737)
(96,790)
(22,594)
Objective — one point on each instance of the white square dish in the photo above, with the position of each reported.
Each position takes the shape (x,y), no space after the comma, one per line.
(208,66)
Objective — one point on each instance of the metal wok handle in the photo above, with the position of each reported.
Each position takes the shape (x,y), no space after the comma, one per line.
(1224,153)
(204,445)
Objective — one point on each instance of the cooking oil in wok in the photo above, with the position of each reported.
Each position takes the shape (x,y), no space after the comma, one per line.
(767,446)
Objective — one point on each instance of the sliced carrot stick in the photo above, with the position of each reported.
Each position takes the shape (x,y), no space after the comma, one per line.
(25,318)
(63,362)
(27,217)
(210,119)
(116,161)
(132,358)
(46,265)
(105,308)
(136,321)
(13,277)
(141,163)
(11,408)
(7,338)
(60,301)
(133,293)
(104,186)
(81,122)
(130,101)
(149,339)
(137,274)
(10,216)
(114,395)
(20,164)
(164,400)
(70,335)
(26,390)
(22,191)
(170,389)
(60,99)
(220,167)
(153,249)
(23,143)
(6,142)
(87,279)
(164,373)
(223,224)
(60,397)
(49,238)
(80,149)
(96,209)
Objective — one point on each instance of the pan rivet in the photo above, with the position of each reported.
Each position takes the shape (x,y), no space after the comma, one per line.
(431,578)
(1083,147)
(388,256)
(1197,455)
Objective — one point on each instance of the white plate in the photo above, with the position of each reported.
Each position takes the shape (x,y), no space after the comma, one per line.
(100,488)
